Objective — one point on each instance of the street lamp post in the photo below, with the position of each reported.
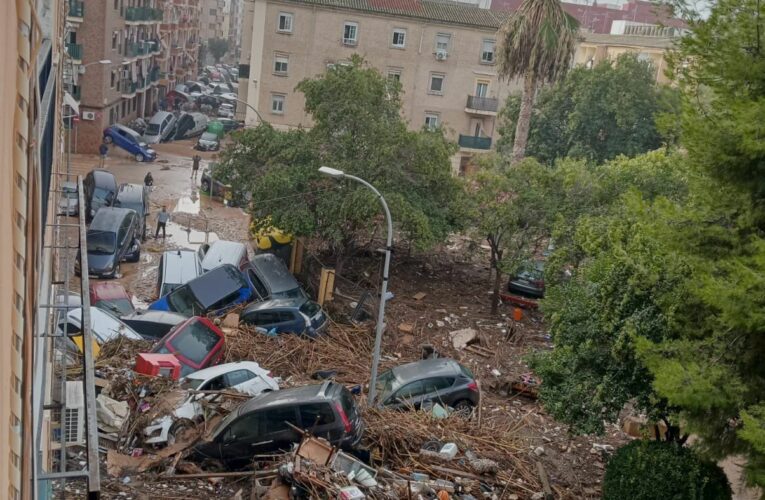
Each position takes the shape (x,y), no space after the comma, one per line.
(384,288)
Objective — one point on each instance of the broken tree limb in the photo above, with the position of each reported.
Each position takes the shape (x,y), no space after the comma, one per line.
(206,475)
(545,481)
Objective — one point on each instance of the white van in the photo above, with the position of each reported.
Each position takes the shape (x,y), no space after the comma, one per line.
(226,252)
(176,268)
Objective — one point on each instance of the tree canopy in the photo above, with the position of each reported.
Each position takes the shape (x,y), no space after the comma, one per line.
(357,128)
(614,108)
(218,47)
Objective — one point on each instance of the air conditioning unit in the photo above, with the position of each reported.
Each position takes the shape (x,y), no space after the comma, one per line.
(73,416)
(441,55)
(88,115)
(81,69)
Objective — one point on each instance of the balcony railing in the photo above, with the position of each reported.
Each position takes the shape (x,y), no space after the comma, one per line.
(128,87)
(488,104)
(473,142)
(136,14)
(76,9)
(74,50)
(142,83)
(154,75)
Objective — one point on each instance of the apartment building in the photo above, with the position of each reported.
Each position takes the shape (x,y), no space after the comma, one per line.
(179,34)
(30,140)
(442,53)
(212,17)
(235,29)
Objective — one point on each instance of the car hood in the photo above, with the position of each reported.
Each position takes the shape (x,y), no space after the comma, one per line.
(98,263)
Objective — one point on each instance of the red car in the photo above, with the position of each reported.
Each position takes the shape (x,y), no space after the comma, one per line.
(111,297)
(197,343)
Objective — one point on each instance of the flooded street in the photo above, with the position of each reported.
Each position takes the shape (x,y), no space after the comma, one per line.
(195,219)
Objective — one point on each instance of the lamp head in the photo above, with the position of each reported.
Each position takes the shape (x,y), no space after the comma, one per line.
(332,172)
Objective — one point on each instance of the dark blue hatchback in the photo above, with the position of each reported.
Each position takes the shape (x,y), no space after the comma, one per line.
(215,292)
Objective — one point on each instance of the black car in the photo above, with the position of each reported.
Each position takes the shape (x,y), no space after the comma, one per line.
(270,278)
(153,325)
(529,281)
(99,189)
(440,380)
(112,238)
(260,425)
(135,197)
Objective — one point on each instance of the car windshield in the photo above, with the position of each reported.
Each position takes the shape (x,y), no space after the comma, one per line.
(101,193)
(195,342)
(207,136)
(101,242)
(132,206)
(119,307)
(183,301)
(310,308)
(387,384)
(191,383)
(152,129)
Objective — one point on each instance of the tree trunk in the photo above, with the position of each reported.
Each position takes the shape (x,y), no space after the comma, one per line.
(495,295)
(524,117)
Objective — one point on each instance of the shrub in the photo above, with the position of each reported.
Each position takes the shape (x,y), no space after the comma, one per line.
(652,470)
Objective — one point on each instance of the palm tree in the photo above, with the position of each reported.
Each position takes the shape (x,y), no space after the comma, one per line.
(536,42)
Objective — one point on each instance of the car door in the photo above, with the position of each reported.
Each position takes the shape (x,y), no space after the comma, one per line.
(437,390)
(408,396)
(277,434)
(291,321)
(242,439)
(245,381)
(319,420)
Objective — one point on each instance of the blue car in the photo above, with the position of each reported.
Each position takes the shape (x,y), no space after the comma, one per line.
(214,292)
(130,141)
(294,315)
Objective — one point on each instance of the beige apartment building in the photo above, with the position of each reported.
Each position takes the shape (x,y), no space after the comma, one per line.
(123,57)
(211,19)
(442,53)
(30,145)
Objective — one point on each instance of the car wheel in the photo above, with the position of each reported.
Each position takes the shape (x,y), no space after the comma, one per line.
(463,408)
(108,139)
(206,186)
(139,157)
(178,430)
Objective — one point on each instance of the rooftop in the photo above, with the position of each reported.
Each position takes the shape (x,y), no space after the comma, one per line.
(438,11)
(628,40)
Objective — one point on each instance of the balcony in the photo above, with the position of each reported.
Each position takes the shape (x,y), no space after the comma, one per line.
(482,105)
(142,83)
(128,88)
(142,15)
(473,142)
(154,75)
(75,91)
(76,10)
(74,50)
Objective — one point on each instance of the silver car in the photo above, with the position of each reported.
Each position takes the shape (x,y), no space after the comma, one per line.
(68,204)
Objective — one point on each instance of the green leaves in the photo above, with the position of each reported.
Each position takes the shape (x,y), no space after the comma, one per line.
(358,129)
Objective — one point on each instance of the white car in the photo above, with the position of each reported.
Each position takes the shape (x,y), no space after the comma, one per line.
(243,376)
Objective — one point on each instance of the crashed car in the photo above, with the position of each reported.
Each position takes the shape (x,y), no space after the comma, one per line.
(111,297)
(529,281)
(244,376)
(197,343)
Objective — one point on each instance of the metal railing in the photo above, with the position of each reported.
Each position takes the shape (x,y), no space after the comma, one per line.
(76,8)
(135,14)
(154,75)
(128,87)
(473,142)
(74,50)
(482,103)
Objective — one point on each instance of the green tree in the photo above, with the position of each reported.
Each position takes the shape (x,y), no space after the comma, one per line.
(535,43)
(594,114)
(217,47)
(357,128)
(511,207)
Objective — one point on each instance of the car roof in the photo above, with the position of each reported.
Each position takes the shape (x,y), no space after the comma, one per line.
(108,218)
(101,176)
(275,304)
(180,266)
(223,252)
(155,316)
(105,290)
(126,129)
(159,117)
(223,284)
(130,192)
(302,394)
(214,371)
(426,367)
(272,269)
(104,322)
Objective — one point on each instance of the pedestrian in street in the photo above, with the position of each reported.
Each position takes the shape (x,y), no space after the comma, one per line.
(162,219)
(148,180)
(103,150)
(195,166)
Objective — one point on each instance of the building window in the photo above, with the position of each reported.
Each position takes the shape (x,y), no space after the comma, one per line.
(17,342)
(350,33)
(442,42)
(285,22)
(244,71)
(399,38)
(116,4)
(431,120)
(19,302)
(17,384)
(124,109)
(113,78)
(281,64)
(212,12)
(115,39)
(394,74)
(436,83)
(487,52)
(482,88)
(20,221)
(277,104)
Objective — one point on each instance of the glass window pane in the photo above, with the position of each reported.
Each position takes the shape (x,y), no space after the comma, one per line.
(316,414)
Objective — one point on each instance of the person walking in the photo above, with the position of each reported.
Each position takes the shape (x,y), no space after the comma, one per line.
(162,219)
(195,166)
(103,150)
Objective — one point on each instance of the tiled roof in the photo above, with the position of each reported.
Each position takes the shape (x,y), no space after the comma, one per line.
(436,11)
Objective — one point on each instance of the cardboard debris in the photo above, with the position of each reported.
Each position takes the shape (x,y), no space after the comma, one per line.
(316,450)
(405,328)
(231,320)
(419,295)
(118,464)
